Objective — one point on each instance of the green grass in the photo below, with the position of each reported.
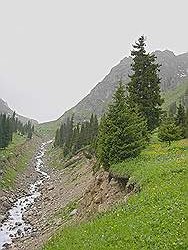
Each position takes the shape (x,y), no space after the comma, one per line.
(14,159)
(16,141)
(65,212)
(55,157)
(174,95)
(47,129)
(152,219)
(57,160)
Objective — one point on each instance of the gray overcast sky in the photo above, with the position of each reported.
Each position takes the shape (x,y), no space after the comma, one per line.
(53,52)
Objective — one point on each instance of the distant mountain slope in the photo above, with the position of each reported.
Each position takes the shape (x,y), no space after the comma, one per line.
(4,108)
(176,95)
(173,72)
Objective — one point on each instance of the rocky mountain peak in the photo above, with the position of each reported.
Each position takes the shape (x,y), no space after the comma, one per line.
(4,108)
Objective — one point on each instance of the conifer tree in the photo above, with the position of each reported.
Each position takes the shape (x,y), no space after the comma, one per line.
(10,125)
(169,131)
(102,143)
(122,133)
(57,138)
(181,118)
(29,130)
(172,109)
(76,141)
(144,86)
(186,123)
(5,130)
(74,137)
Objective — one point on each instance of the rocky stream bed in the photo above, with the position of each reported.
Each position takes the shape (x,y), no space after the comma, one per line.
(14,226)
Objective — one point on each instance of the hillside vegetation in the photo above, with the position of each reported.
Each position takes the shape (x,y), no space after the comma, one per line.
(175,95)
(154,218)
(154,215)
(173,71)
(14,159)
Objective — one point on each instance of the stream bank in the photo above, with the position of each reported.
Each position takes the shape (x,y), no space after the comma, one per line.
(13,225)
(73,193)
(17,170)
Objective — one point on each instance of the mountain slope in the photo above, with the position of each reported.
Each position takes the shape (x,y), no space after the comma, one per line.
(175,95)
(153,218)
(173,72)
(174,69)
(4,108)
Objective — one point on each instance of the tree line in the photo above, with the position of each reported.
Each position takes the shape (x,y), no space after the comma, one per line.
(10,125)
(135,111)
(134,114)
(72,137)
(174,125)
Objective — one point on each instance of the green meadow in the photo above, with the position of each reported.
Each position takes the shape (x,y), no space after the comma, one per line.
(154,218)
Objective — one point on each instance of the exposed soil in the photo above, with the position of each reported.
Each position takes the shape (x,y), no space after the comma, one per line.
(64,186)
(75,183)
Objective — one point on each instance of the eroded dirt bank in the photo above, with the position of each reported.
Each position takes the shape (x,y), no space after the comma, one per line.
(71,195)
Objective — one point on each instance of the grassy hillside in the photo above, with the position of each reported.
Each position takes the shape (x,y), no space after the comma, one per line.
(14,159)
(152,219)
(48,129)
(174,95)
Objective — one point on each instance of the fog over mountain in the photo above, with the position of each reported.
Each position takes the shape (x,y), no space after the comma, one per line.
(53,54)
(173,71)
(5,109)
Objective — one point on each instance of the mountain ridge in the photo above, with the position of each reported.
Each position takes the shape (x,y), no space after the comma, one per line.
(173,72)
(4,108)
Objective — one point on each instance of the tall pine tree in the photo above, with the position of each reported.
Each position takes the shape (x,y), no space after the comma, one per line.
(144,86)
(186,123)
(181,118)
(122,132)
(169,131)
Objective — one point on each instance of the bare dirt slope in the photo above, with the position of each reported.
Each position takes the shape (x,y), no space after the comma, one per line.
(71,195)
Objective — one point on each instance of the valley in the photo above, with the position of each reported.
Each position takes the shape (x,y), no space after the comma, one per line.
(64,203)
(14,225)
(56,193)
(93,125)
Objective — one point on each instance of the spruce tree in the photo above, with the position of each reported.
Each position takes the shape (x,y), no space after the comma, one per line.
(169,131)
(57,138)
(144,86)
(5,131)
(181,118)
(172,109)
(74,137)
(122,133)
(28,130)
(102,143)
(186,123)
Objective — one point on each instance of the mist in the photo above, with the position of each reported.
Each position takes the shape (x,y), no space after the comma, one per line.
(52,53)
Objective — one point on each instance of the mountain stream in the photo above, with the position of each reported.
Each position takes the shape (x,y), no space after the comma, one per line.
(14,225)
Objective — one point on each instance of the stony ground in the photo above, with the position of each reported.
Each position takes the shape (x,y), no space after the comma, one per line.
(64,187)
(21,183)
(72,194)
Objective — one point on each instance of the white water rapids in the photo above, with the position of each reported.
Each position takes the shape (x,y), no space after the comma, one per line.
(15,226)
